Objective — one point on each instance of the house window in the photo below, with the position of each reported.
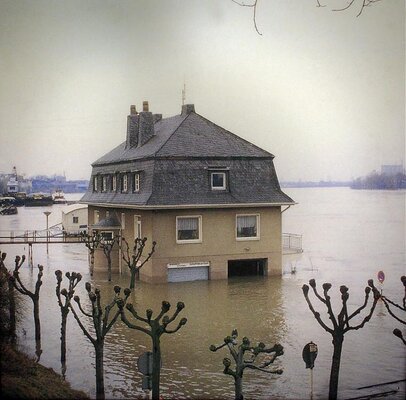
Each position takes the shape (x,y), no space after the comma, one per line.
(75,220)
(95,183)
(106,235)
(137,227)
(124,183)
(136,186)
(189,229)
(122,220)
(218,181)
(114,183)
(104,184)
(107,214)
(247,227)
(96,216)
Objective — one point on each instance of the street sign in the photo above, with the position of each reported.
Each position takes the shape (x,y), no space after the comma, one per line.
(381,276)
(144,363)
(309,354)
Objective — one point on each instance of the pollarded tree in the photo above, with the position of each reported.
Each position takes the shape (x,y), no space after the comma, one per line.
(155,329)
(91,242)
(34,296)
(9,300)
(101,324)
(107,245)
(253,361)
(64,298)
(389,304)
(133,262)
(340,324)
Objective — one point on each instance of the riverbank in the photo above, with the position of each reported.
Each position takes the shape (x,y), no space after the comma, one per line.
(23,378)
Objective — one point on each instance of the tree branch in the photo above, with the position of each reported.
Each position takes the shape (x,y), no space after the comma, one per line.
(254,7)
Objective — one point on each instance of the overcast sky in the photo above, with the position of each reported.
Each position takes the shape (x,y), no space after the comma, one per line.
(323,91)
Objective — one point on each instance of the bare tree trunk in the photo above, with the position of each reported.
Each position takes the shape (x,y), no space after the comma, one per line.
(91,262)
(63,336)
(12,311)
(37,322)
(335,366)
(133,277)
(109,265)
(238,387)
(99,371)
(156,367)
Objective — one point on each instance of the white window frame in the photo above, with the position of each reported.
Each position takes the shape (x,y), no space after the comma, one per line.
(96,216)
(114,183)
(104,183)
(137,227)
(122,220)
(212,173)
(136,182)
(95,183)
(186,241)
(106,235)
(241,238)
(124,183)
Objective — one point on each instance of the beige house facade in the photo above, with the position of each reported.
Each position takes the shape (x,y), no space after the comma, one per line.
(209,199)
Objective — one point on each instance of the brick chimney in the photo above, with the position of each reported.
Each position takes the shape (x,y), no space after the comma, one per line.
(157,117)
(188,108)
(132,128)
(146,125)
(140,126)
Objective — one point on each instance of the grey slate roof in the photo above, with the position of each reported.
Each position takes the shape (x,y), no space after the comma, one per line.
(175,165)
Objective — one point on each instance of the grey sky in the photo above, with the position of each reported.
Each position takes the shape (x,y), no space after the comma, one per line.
(323,91)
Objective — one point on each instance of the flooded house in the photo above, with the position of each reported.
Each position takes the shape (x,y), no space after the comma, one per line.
(210,199)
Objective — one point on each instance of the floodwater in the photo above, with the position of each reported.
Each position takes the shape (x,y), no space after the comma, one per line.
(348,236)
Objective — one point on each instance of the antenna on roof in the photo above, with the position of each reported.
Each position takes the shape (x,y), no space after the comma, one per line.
(183,93)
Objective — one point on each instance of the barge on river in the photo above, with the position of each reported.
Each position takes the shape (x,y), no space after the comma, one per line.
(39,199)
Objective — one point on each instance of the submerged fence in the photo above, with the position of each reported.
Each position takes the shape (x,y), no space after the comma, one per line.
(292,242)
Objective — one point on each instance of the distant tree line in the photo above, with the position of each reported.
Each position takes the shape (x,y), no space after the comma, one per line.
(380,181)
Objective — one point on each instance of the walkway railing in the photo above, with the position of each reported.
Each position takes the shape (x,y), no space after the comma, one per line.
(292,242)
(38,236)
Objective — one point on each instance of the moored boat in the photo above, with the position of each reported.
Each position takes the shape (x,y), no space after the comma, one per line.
(38,199)
(58,197)
(7,205)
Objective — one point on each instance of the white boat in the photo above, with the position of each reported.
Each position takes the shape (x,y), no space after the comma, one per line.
(58,197)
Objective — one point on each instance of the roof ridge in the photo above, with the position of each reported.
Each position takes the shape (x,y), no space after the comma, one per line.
(166,141)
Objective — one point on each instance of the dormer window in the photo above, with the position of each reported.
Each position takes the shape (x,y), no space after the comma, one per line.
(95,183)
(104,183)
(136,183)
(124,183)
(114,183)
(218,180)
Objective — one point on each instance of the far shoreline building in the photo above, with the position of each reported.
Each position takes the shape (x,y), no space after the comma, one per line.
(210,199)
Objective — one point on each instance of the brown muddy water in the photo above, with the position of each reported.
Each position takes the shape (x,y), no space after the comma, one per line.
(348,236)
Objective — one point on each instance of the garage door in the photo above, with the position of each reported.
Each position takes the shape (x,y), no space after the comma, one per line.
(188,272)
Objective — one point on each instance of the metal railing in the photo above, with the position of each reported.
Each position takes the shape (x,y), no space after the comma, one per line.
(292,242)
(38,236)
